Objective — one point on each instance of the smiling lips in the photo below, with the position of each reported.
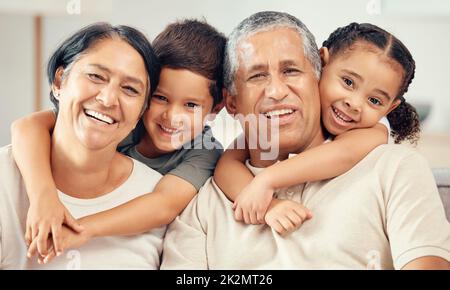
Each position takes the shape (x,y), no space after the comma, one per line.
(99,116)
(341,116)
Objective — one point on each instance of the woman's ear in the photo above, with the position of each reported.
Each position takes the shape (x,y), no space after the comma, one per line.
(324,56)
(56,86)
(230,102)
(394,105)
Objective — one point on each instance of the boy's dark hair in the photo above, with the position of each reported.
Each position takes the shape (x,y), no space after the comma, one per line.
(404,120)
(80,42)
(195,46)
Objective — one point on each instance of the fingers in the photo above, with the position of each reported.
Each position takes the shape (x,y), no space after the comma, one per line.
(288,226)
(238,215)
(52,254)
(28,238)
(32,249)
(57,238)
(42,238)
(72,223)
(260,216)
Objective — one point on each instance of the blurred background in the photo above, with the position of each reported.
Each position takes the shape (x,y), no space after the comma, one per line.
(31,29)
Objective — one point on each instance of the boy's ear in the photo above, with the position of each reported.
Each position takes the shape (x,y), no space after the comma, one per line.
(324,56)
(230,102)
(56,86)
(394,105)
(217,108)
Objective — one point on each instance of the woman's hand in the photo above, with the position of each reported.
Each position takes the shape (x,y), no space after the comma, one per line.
(45,218)
(69,239)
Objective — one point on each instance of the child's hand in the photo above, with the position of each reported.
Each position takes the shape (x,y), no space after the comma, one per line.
(285,216)
(69,240)
(252,203)
(45,218)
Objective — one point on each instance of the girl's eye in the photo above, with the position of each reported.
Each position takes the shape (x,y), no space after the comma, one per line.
(131,90)
(375,101)
(191,105)
(95,77)
(348,81)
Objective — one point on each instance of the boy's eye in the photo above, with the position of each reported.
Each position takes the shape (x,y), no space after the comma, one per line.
(192,105)
(159,98)
(95,77)
(348,81)
(375,101)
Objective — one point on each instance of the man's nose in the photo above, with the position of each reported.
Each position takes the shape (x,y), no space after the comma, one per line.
(276,89)
(109,96)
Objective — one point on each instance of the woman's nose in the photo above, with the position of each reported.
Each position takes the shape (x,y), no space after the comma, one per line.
(108,96)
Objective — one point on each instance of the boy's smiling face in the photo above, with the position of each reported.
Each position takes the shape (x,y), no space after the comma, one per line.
(177,111)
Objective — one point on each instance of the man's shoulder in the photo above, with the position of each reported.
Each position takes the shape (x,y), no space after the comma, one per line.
(394,154)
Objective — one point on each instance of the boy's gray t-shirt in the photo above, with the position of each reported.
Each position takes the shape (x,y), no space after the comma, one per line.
(194,162)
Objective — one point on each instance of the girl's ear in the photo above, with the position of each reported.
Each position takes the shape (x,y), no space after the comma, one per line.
(56,86)
(324,56)
(394,105)
(230,102)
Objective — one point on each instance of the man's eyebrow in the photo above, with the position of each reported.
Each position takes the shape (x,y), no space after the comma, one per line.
(386,95)
(257,67)
(288,62)
(353,74)
(127,78)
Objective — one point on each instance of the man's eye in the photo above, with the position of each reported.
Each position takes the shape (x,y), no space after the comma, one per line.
(348,82)
(375,101)
(95,77)
(291,71)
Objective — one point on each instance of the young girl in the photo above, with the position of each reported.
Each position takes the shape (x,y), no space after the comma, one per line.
(190,83)
(366,71)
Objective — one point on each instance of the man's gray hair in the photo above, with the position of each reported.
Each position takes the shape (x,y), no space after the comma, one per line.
(264,21)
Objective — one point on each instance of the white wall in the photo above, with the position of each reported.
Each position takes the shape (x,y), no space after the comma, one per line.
(16,71)
(424,28)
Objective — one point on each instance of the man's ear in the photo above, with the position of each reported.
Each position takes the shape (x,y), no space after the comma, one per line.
(324,56)
(230,102)
(394,105)
(56,86)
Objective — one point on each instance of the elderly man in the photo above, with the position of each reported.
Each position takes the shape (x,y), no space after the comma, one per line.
(91,75)
(385,213)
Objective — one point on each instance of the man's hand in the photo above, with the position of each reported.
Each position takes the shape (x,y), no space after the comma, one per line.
(45,218)
(253,201)
(285,216)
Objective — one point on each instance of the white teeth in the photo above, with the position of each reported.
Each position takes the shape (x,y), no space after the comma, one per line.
(340,116)
(278,112)
(99,116)
(168,130)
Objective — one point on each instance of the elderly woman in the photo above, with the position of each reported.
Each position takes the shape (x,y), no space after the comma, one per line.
(101,78)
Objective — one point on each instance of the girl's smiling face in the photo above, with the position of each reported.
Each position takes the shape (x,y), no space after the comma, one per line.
(358,87)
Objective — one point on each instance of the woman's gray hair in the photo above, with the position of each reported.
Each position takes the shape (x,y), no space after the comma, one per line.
(264,21)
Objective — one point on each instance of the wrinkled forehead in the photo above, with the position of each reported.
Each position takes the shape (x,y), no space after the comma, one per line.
(271,46)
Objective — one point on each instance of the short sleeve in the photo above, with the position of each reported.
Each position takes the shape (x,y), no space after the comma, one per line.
(197,166)
(384,121)
(416,221)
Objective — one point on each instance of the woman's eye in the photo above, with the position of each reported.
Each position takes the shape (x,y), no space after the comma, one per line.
(348,82)
(192,105)
(95,77)
(375,101)
(256,77)
(131,90)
